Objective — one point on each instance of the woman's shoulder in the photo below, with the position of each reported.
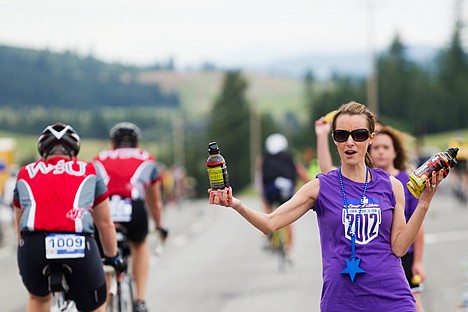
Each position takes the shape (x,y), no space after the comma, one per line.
(379,173)
(329,174)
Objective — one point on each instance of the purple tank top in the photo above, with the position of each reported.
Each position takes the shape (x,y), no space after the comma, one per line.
(410,201)
(384,286)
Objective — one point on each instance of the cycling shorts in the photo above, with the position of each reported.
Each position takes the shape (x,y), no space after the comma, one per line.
(136,229)
(87,282)
(279,191)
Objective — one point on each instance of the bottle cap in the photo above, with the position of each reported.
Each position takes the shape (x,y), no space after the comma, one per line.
(213,148)
(453,151)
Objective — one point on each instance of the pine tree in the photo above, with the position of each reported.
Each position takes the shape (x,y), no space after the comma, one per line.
(229,127)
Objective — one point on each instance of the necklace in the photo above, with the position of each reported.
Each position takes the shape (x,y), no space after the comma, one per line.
(352,265)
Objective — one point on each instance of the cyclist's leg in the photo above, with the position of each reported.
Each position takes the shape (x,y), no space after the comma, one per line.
(39,303)
(31,262)
(140,267)
(87,282)
(107,273)
(137,232)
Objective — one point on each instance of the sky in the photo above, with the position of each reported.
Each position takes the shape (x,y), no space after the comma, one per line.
(223,32)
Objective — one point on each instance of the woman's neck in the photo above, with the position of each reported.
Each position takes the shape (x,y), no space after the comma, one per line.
(356,173)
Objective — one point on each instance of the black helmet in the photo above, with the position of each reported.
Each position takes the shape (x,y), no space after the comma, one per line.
(56,134)
(125,134)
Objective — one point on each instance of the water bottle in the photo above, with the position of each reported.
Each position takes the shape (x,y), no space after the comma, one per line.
(217,168)
(443,160)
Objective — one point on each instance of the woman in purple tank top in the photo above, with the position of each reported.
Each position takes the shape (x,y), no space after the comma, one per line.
(388,153)
(360,213)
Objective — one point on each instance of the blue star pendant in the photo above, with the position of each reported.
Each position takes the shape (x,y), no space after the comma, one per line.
(352,268)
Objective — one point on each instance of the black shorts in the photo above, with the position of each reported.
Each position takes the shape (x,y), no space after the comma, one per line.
(407,262)
(278,191)
(137,229)
(87,282)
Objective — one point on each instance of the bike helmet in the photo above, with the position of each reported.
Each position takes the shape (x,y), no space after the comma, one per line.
(276,143)
(125,134)
(58,134)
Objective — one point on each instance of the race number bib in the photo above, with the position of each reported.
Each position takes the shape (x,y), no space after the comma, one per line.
(121,209)
(65,246)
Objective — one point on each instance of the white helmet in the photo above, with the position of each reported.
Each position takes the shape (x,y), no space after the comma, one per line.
(276,143)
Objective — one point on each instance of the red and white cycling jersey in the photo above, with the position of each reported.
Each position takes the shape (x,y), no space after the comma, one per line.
(127,171)
(58,195)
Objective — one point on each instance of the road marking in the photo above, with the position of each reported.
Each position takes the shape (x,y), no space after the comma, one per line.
(441,237)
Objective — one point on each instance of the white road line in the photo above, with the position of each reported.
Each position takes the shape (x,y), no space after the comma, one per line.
(449,236)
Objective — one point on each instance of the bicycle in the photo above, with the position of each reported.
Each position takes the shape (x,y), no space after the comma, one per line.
(279,242)
(58,286)
(122,287)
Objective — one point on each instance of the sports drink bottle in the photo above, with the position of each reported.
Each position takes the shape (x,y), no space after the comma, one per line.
(443,160)
(217,168)
(329,117)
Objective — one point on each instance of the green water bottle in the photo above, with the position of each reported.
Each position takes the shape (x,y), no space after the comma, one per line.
(217,168)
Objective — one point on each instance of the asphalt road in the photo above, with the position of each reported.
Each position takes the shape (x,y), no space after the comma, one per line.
(214,261)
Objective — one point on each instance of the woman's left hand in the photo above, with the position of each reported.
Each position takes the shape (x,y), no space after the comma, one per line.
(223,197)
(432,185)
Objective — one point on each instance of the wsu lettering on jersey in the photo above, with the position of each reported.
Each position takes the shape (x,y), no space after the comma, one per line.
(76,168)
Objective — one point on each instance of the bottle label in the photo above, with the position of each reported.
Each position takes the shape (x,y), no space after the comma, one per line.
(216,176)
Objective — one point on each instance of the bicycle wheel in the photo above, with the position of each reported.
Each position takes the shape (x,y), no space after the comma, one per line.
(61,304)
(125,294)
(279,242)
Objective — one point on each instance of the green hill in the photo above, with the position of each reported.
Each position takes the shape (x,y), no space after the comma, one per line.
(198,90)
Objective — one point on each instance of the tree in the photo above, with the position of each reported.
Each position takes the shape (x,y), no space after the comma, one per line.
(404,89)
(229,127)
(452,80)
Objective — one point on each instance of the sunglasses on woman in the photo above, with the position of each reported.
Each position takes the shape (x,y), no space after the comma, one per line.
(358,135)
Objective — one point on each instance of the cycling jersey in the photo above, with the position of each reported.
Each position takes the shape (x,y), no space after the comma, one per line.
(278,165)
(50,207)
(278,177)
(127,171)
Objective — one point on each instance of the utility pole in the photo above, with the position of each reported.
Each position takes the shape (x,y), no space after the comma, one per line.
(460,23)
(372,80)
(255,136)
(178,130)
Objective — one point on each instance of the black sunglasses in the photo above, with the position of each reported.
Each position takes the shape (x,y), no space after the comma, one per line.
(358,135)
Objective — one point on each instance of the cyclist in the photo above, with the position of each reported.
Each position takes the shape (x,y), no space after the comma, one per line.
(58,198)
(134,183)
(279,172)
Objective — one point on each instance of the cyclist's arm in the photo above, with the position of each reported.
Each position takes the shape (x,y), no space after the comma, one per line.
(302,172)
(154,202)
(18,214)
(105,226)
